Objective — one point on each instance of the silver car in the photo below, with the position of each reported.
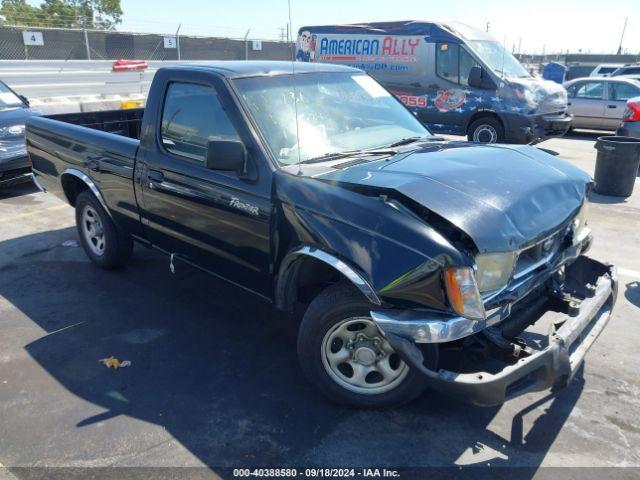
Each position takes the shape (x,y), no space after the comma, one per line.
(599,103)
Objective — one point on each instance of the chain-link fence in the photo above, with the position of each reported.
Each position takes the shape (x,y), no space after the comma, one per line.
(69,44)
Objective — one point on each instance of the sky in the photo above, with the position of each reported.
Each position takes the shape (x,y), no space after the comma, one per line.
(592,26)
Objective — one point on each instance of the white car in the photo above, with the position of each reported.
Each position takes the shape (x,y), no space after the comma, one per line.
(599,103)
(605,69)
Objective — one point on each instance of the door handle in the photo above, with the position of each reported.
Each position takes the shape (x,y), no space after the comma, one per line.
(612,106)
(569,104)
(155,176)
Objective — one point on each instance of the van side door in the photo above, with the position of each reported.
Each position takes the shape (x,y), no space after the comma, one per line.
(217,220)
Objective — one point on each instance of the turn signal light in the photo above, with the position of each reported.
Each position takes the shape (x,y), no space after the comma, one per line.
(463,294)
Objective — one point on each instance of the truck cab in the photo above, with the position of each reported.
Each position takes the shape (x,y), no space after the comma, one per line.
(457,79)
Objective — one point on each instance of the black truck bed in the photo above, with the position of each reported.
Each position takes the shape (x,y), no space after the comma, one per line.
(126,123)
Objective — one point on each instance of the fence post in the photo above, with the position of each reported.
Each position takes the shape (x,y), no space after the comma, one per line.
(86,43)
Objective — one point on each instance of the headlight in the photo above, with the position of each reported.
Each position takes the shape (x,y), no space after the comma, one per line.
(527,95)
(463,293)
(494,270)
(12,131)
(579,226)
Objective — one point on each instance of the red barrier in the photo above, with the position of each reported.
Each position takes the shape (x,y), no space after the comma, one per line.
(129,65)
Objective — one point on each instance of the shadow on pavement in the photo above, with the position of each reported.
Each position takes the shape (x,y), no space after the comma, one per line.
(217,370)
(589,135)
(18,190)
(605,199)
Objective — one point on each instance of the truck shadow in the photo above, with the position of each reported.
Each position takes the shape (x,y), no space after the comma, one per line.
(217,370)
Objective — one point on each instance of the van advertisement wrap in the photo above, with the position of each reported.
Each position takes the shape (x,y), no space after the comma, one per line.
(358,50)
(428,67)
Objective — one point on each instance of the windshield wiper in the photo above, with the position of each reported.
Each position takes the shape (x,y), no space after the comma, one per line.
(408,140)
(331,156)
(349,153)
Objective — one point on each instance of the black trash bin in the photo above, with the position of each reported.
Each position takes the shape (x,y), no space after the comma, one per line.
(617,165)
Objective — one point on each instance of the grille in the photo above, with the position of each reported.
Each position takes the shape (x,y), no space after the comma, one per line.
(537,255)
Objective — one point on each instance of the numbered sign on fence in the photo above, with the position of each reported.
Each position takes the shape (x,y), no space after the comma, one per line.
(169,42)
(257,44)
(32,38)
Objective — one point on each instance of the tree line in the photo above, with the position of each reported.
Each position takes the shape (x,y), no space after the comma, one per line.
(95,14)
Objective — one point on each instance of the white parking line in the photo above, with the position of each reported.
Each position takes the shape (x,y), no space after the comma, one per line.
(628,273)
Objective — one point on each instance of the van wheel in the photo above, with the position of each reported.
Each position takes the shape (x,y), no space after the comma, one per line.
(102,241)
(486,130)
(342,351)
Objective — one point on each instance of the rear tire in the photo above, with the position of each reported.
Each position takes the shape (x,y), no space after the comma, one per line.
(486,130)
(344,354)
(105,245)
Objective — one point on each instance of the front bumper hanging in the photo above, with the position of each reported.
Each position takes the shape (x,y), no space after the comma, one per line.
(552,367)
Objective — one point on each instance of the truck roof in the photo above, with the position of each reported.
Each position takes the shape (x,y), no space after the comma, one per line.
(253,68)
(437,31)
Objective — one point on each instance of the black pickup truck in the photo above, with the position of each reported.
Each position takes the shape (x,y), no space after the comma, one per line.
(412,260)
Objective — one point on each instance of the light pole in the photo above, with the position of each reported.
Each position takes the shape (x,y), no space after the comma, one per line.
(178,40)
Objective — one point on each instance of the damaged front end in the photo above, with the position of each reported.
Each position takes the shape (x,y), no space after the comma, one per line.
(535,342)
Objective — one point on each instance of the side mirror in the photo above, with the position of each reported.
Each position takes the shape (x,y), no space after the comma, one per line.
(25,100)
(479,78)
(228,155)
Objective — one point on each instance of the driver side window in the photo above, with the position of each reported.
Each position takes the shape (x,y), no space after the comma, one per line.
(454,63)
(192,116)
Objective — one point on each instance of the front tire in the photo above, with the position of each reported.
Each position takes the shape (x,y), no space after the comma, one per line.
(105,245)
(342,351)
(486,130)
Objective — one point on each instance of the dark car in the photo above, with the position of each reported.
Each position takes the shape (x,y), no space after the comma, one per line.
(416,261)
(14,111)
(630,126)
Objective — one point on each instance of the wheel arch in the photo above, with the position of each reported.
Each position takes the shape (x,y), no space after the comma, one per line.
(294,275)
(74,182)
(483,113)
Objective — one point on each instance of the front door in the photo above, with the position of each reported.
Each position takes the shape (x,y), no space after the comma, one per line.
(451,100)
(214,219)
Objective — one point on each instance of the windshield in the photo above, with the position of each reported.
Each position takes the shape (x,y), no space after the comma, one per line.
(8,98)
(337,112)
(498,58)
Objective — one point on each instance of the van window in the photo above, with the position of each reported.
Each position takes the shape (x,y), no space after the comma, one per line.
(192,115)
(453,63)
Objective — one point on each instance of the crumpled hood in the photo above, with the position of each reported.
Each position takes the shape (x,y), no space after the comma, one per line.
(503,197)
(543,96)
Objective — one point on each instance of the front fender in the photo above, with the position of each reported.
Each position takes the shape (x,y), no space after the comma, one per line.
(293,258)
(397,256)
